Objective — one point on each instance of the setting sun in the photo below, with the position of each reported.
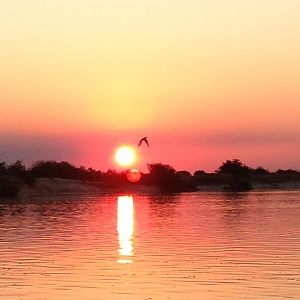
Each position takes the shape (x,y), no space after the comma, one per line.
(125,156)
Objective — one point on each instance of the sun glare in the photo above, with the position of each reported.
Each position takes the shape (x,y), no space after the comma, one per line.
(125,156)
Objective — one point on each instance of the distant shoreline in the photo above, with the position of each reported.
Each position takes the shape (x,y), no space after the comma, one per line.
(52,177)
(58,186)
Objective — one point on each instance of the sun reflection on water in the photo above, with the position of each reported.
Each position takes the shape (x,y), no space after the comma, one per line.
(125,227)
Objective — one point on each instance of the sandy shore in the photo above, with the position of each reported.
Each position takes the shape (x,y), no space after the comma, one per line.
(46,186)
(52,186)
(255,186)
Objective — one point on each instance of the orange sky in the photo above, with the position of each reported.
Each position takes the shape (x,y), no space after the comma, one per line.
(205,80)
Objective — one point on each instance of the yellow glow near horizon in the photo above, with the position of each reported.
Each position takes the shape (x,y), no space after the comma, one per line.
(125,156)
(122,64)
(125,227)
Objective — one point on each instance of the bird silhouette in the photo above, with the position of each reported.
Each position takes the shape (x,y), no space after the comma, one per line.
(144,139)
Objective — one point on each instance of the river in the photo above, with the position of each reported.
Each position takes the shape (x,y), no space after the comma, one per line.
(183,246)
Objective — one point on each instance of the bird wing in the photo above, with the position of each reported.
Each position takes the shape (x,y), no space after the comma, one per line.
(144,139)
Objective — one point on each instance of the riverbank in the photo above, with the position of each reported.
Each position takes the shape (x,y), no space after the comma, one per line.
(284,186)
(51,177)
(52,186)
(14,188)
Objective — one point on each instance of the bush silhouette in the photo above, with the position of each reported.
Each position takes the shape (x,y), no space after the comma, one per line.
(199,173)
(234,167)
(164,176)
(260,171)
(53,169)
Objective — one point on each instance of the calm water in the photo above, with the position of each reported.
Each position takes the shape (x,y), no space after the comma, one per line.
(188,246)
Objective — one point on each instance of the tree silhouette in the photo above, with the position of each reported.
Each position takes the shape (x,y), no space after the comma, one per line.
(184,173)
(17,169)
(164,176)
(53,169)
(199,173)
(260,171)
(2,168)
(234,167)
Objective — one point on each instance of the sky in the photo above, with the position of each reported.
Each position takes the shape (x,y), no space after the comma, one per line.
(206,81)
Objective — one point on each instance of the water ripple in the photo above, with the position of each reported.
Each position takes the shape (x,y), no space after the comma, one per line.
(199,246)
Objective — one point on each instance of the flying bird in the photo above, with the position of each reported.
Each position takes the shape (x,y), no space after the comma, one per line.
(144,139)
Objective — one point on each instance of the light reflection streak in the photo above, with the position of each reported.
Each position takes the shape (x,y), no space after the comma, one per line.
(125,228)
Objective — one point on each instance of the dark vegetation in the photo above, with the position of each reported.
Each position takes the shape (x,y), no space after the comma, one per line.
(232,175)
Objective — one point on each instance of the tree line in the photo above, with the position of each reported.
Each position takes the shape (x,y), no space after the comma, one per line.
(233,174)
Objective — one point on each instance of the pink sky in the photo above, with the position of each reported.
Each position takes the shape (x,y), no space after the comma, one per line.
(204,81)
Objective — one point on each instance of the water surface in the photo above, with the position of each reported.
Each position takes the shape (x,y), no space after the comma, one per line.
(192,246)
